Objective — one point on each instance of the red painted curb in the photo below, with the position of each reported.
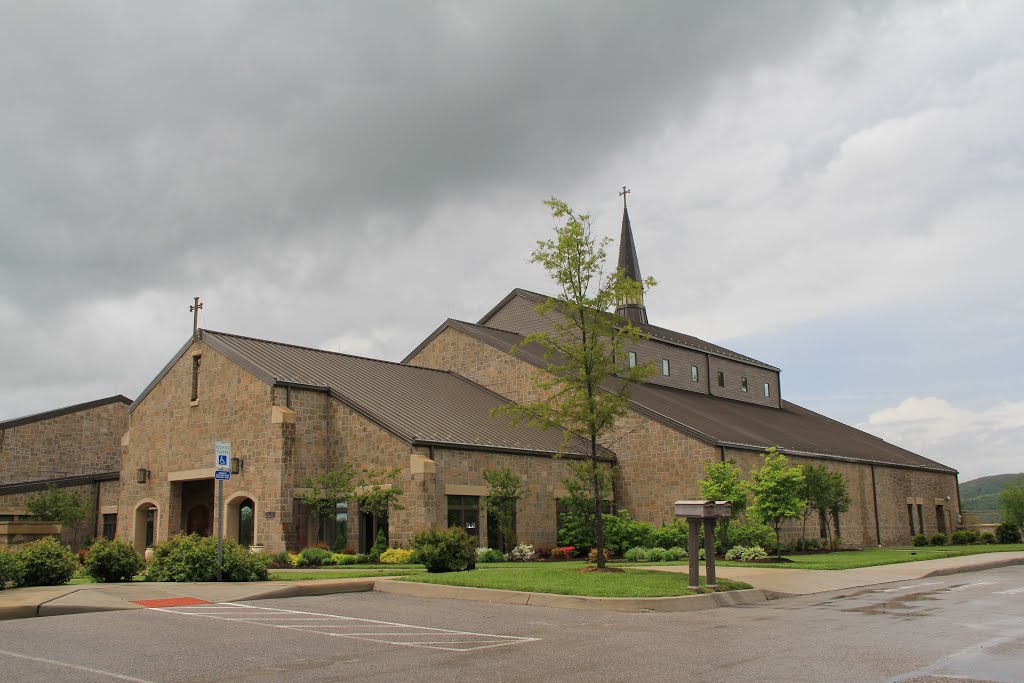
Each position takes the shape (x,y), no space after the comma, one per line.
(171,602)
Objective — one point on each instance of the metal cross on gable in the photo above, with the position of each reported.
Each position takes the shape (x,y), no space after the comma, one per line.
(194,308)
(623,195)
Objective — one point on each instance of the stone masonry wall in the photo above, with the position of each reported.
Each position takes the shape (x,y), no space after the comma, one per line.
(658,465)
(170,433)
(84,442)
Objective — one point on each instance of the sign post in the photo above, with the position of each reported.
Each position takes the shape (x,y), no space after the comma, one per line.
(222,471)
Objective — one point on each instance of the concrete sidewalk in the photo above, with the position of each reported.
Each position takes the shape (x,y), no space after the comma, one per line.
(807,581)
(98,597)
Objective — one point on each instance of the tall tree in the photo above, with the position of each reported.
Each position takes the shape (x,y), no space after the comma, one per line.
(588,377)
(325,491)
(776,490)
(722,482)
(504,489)
(839,501)
(1011,498)
(59,505)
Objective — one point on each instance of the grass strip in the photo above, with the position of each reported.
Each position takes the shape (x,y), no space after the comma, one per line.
(564,578)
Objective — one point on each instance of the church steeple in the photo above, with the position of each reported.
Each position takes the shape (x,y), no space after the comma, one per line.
(633,311)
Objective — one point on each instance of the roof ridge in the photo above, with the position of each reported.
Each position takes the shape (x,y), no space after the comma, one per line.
(313,348)
(64,410)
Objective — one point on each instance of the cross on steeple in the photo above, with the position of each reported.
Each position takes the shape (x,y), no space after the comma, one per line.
(623,195)
(194,308)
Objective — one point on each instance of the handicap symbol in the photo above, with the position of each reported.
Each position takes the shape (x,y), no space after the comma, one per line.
(222,460)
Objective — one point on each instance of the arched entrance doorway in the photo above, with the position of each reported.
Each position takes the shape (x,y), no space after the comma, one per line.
(240,519)
(146,519)
(198,520)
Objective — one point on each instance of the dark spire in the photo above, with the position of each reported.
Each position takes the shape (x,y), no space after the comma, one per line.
(631,310)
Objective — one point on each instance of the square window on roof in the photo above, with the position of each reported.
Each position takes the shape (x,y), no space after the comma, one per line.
(665,367)
(743,384)
(721,378)
(632,359)
(767,390)
(694,375)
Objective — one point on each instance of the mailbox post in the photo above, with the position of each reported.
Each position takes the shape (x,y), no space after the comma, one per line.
(708,512)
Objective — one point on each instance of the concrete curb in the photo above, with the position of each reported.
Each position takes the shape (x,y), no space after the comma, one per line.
(993,563)
(682,603)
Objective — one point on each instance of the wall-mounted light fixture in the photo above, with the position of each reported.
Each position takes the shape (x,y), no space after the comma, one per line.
(142,475)
(236,465)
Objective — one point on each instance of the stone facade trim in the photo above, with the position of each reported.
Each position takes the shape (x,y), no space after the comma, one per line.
(282,415)
(421,464)
(465,490)
(191,475)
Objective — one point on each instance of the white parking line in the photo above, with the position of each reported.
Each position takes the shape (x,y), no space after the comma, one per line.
(904,588)
(66,665)
(387,632)
(1012,591)
(971,585)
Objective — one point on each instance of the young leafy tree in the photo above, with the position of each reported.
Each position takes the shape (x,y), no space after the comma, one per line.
(578,520)
(839,501)
(325,491)
(59,505)
(378,493)
(722,482)
(588,377)
(776,490)
(816,491)
(1011,498)
(504,489)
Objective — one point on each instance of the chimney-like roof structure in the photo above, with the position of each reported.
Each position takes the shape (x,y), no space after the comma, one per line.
(633,311)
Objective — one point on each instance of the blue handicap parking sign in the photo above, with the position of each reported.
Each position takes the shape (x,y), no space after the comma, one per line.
(222,475)
(222,461)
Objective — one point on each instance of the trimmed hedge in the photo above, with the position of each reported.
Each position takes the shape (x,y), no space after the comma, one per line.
(46,563)
(445,550)
(113,561)
(194,558)
(11,569)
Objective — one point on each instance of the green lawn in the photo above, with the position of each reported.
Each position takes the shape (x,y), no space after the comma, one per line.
(340,574)
(854,559)
(564,578)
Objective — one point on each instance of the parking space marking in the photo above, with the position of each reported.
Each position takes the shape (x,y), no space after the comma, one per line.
(387,632)
(1012,591)
(971,585)
(76,667)
(904,588)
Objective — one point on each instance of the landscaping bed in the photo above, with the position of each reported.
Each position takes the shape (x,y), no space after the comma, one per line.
(855,559)
(564,578)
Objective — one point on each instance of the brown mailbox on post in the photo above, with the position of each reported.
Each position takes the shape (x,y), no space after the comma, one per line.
(708,511)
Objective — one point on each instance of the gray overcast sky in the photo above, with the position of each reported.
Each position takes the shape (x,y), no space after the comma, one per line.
(833,188)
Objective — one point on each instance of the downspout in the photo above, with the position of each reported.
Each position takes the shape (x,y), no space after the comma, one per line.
(959,509)
(96,518)
(723,453)
(874,496)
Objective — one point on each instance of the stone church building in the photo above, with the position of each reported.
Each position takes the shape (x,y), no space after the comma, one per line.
(290,412)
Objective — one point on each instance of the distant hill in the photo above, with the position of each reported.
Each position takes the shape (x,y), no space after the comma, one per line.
(983,493)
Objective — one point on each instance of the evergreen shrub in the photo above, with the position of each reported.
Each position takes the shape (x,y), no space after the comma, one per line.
(988,537)
(113,561)
(674,554)
(1007,532)
(488,555)
(396,556)
(194,558)
(750,533)
(937,539)
(637,555)
(965,537)
(445,550)
(46,563)
(672,535)
(11,569)
(922,540)
(313,557)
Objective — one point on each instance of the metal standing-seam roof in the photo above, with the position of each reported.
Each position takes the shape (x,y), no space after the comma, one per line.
(419,405)
(738,424)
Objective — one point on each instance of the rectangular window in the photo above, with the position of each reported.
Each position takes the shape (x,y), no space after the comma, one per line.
(822,525)
(196,362)
(694,375)
(664,367)
(109,526)
(910,514)
(940,518)
(721,378)
(920,517)
(632,359)
(743,384)
(767,390)
(464,512)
